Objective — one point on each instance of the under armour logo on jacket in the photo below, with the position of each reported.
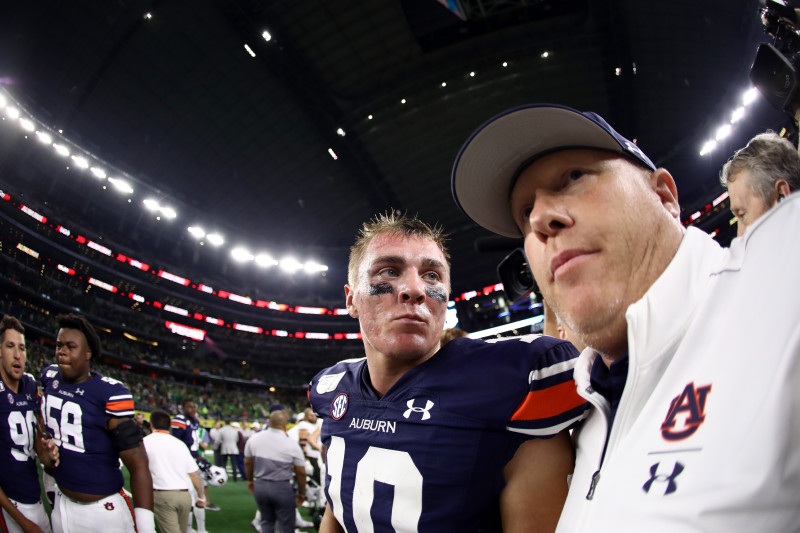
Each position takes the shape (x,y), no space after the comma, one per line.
(662,478)
(692,403)
(424,410)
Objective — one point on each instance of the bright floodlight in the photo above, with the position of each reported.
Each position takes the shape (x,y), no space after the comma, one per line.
(340,132)
(723,131)
(98,172)
(249,50)
(196,231)
(61,150)
(737,115)
(289,264)
(215,239)
(12,112)
(121,185)
(312,267)
(266,35)
(44,137)
(241,255)
(26,124)
(265,260)
(151,205)
(332,153)
(749,96)
(80,161)
(708,147)
(169,212)
(545,54)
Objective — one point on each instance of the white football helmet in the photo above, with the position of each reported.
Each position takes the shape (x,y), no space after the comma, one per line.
(216,476)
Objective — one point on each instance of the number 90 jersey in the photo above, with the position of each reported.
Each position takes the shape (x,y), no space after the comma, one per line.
(77,415)
(19,478)
(428,457)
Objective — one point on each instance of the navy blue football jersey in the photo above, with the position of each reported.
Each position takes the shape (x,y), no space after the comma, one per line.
(428,456)
(19,477)
(77,415)
(188,431)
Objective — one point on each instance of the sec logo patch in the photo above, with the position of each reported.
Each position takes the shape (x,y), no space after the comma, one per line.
(339,406)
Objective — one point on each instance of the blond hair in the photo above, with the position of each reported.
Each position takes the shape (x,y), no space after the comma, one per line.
(391,223)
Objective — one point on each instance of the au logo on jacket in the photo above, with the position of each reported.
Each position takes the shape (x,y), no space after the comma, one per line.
(692,403)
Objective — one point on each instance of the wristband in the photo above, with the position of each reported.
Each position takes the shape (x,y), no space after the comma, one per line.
(144,520)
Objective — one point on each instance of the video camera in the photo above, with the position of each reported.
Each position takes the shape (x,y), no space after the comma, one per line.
(516,276)
(775,68)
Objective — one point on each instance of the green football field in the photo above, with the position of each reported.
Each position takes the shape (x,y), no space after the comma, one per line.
(237,508)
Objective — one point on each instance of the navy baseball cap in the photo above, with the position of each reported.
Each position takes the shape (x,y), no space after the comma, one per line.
(276,407)
(491,160)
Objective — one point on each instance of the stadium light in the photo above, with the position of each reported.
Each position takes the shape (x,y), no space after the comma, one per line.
(151,205)
(312,267)
(98,172)
(121,185)
(61,150)
(241,254)
(290,264)
(196,232)
(169,212)
(215,239)
(44,137)
(80,161)
(265,260)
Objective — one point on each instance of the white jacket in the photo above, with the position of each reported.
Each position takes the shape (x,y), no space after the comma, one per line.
(707,433)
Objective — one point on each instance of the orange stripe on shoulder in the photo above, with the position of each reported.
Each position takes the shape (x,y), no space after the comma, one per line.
(124,405)
(548,402)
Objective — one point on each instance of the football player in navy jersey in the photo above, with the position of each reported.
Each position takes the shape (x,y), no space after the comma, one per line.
(430,440)
(91,419)
(20,494)
(186,427)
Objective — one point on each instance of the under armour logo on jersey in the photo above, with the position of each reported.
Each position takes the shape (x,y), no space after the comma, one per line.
(79,391)
(109,506)
(413,409)
(692,403)
(655,477)
(339,406)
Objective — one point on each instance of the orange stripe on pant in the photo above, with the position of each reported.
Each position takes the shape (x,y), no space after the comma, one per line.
(3,525)
(546,403)
(130,507)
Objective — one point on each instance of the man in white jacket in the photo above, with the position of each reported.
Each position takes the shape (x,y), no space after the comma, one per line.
(693,362)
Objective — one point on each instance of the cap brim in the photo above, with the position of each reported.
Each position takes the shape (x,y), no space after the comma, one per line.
(489,160)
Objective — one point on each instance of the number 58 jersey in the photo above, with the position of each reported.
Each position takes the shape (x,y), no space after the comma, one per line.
(77,416)
(428,456)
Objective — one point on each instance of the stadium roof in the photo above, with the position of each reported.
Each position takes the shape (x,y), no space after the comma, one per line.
(242,141)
